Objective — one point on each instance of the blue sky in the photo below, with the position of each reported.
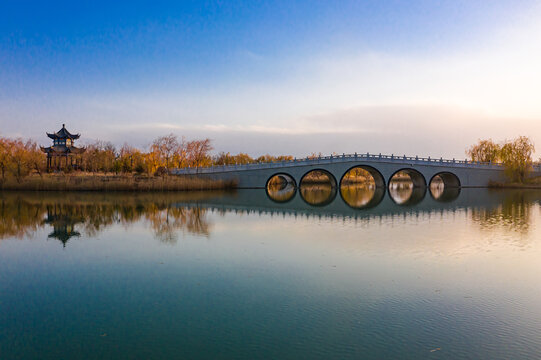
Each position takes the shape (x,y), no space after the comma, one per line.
(283,76)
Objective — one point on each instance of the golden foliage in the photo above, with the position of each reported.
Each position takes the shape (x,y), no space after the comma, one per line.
(484,151)
(515,155)
(517,158)
(19,158)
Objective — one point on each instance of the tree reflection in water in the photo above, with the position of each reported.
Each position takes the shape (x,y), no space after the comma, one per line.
(66,216)
(513,213)
(361,196)
(19,218)
(71,215)
(318,194)
(167,221)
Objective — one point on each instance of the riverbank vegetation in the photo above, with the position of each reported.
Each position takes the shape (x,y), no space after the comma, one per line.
(83,181)
(105,167)
(516,155)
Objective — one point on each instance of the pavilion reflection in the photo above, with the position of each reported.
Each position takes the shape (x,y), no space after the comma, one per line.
(77,215)
(166,215)
(63,220)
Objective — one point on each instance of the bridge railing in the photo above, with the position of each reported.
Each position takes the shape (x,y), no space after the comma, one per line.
(340,158)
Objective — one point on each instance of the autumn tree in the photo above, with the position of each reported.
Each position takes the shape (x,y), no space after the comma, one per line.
(484,151)
(180,155)
(198,152)
(516,156)
(270,158)
(6,145)
(130,159)
(99,156)
(165,147)
(227,159)
(35,157)
(20,157)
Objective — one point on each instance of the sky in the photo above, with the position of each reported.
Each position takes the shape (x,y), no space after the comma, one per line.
(424,78)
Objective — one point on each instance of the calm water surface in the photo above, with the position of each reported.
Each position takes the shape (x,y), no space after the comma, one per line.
(279,274)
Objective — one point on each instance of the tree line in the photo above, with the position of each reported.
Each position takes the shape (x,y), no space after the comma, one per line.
(516,155)
(20,158)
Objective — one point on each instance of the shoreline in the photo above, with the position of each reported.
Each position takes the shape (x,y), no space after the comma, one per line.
(534,183)
(112,183)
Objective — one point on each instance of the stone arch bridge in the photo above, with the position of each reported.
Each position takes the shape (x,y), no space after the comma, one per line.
(454,173)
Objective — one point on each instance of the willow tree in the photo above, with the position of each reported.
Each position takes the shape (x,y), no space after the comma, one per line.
(485,151)
(516,156)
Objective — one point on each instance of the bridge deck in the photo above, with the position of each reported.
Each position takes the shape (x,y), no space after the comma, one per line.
(461,173)
(409,160)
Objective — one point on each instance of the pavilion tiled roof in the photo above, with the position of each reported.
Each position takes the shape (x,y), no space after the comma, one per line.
(63,134)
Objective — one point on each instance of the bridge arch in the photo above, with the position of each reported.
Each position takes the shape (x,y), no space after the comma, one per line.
(316,192)
(285,177)
(379,180)
(281,188)
(445,187)
(449,179)
(331,177)
(416,177)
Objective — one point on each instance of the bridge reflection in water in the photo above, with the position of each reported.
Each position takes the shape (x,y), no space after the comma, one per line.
(358,189)
(362,195)
(359,196)
(79,215)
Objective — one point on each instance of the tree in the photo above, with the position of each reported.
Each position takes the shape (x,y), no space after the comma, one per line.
(165,148)
(198,152)
(269,158)
(128,158)
(35,158)
(6,145)
(516,156)
(99,156)
(484,151)
(228,159)
(180,155)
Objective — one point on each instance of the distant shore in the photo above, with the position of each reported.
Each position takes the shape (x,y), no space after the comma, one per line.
(532,183)
(101,182)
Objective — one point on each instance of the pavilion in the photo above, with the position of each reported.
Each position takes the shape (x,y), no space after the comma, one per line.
(63,154)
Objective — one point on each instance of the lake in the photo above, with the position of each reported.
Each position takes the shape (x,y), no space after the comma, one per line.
(278,274)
